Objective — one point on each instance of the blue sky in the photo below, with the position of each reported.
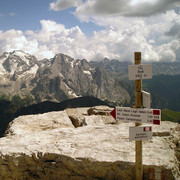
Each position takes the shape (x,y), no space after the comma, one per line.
(26,15)
(92,29)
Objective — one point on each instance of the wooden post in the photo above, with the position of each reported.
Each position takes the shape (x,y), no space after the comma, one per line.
(138,104)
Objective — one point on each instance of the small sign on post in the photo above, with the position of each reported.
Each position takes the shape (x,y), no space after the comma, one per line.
(146,98)
(140,133)
(141,71)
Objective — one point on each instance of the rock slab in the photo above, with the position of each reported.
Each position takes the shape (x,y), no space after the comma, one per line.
(85,143)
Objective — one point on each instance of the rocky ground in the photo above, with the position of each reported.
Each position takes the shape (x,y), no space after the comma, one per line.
(85,143)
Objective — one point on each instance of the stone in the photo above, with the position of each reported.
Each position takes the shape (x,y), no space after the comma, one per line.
(48,146)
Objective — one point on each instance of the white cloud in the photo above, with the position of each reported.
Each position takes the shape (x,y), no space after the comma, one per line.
(120,44)
(151,27)
(169,52)
(13,39)
(12,14)
(124,7)
(115,7)
(53,38)
(64,4)
(119,40)
(174,29)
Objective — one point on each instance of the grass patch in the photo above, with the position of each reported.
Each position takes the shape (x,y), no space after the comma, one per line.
(168,115)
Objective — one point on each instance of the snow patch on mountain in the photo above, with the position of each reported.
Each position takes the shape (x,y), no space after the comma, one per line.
(31,71)
(87,72)
(71,93)
(2,70)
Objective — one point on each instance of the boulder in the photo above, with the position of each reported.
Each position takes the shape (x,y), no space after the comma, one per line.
(48,146)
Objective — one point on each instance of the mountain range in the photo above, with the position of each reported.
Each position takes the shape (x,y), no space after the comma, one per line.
(120,69)
(63,77)
(57,79)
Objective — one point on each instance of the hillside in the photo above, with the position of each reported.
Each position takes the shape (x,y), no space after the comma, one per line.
(168,115)
(165,91)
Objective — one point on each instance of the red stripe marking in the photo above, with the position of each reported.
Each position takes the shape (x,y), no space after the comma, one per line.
(156,112)
(155,121)
(147,129)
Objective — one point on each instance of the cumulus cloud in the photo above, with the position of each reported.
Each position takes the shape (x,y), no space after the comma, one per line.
(53,38)
(169,52)
(56,38)
(117,41)
(151,27)
(138,8)
(15,39)
(64,4)
(174,29)
(116,7)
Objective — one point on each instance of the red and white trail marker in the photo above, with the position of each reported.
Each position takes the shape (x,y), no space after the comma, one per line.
(137,115)
(140,133)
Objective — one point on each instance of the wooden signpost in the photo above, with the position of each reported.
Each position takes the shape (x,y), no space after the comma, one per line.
(138,114)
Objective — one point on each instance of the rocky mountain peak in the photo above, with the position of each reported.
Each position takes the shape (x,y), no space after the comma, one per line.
(17,62)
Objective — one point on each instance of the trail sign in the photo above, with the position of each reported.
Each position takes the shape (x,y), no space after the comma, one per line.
(141,71)
(151,116)
(140,133)
(146,98)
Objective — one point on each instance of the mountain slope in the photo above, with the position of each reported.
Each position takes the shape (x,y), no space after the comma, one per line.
(165,91)
(164,86)
(65,78)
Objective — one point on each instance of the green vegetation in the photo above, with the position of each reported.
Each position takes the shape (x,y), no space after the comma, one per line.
(17,100)
(9,108)
(168,115)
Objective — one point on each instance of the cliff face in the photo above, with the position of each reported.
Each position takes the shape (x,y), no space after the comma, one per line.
(84,143)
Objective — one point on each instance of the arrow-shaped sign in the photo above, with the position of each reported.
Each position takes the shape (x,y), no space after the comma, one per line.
(152,116)
(113,113)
